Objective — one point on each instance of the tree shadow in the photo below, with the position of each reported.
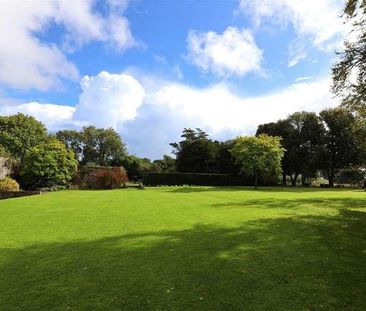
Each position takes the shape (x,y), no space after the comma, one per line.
(194,189)
(298,263)
(296,204)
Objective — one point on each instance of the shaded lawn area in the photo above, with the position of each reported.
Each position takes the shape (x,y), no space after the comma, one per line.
(184,249)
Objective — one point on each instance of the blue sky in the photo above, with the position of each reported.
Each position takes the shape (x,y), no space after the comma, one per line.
(149,68)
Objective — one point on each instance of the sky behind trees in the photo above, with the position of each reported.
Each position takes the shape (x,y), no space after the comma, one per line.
(150,68)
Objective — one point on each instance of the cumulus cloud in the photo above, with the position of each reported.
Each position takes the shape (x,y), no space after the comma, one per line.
(54,116)
(109,100)
(28,62)
(232,53)
(150,119)
(317,22)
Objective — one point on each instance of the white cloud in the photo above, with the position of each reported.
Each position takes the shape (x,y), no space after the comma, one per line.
(27,62)
(234,52)
(54,116)
(109,100)
(151,119)
(316,21)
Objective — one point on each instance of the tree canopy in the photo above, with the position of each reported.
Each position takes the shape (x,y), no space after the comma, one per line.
(258,155)
(19,133)
(95,146)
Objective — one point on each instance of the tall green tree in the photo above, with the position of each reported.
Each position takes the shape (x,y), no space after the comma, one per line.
(73,140)
(341,149)
(95,146)
(302,135)
(306,140)
(349,73)
(258,155)
(19,133)
(285,130)
(102,146)
(196,153)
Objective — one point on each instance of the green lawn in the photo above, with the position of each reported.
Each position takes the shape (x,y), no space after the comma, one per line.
(184,249)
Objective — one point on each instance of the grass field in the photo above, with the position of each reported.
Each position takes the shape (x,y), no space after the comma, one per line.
(184,249)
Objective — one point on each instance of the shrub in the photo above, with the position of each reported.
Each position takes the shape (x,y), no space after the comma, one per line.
(102,177)
(8,184)
(47,166)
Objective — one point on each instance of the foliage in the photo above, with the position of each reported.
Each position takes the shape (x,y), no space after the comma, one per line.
(8,184)
(101,177)
(19,133)
(302,135)
(340,149)
(196,153)
(48,165)
(135,166)
(349,73)
(165,165)
(73,140)
(259,155)
(95,146)
(193,179)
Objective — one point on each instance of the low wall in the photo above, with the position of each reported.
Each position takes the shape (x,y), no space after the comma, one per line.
(17,194)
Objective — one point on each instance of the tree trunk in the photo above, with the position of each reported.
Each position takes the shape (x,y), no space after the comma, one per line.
(283,179)
(256,179)
(331,178)
(294,179)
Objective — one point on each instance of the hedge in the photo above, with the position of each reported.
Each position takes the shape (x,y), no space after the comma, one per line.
(193,179)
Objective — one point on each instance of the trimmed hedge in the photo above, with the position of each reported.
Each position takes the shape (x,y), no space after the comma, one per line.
(193,179)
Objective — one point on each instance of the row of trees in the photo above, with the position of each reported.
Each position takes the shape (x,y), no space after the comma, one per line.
(306,144)
(44,160)
(328,143)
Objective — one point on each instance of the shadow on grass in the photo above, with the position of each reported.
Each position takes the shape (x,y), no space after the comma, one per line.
(298,203)
(193,189)
(302,263)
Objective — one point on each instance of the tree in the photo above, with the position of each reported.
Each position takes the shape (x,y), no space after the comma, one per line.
(95,146)
(302,134)
(165,165)
(73,140)
(19,133)
(349,74)
(285,130)
(258,155)
(196,153)
(226,160)
(48,165)
(306,139)
(102,146)
(340,150)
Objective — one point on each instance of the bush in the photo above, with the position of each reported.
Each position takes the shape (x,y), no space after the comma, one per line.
(193,179)
(102,177)
(8,184)
(47,166)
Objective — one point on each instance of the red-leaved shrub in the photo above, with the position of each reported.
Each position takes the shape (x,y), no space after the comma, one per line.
(103,177)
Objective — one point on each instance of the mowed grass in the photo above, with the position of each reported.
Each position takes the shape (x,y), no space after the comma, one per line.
(184,249)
